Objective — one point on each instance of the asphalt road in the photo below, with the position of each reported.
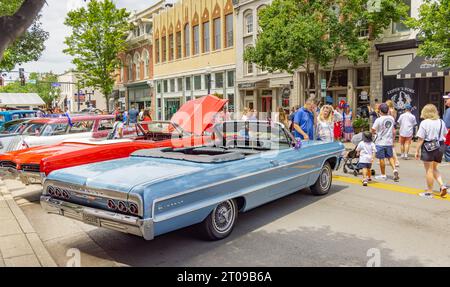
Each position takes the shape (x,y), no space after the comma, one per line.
(384,224)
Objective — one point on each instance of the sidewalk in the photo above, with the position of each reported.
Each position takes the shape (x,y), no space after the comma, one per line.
(19,243)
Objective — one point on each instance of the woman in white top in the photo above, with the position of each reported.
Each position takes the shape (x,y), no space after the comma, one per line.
(431,146)
(325,124)
(245,114)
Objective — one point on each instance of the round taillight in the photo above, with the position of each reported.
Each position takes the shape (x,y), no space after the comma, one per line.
(58,192)
(133,208)
(65,194)
(112,204)
(51,190)
(122,206)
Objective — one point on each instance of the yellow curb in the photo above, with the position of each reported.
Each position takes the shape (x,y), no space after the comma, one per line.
(387,186)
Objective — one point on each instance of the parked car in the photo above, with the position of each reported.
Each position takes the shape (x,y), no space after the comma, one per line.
(155,191)
(46,131)
(6,116)
(13,127)
(34,164)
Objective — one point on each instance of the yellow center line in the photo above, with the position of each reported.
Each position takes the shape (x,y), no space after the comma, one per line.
(387,186)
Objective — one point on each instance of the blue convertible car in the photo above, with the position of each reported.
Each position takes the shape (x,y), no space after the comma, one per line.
(155,191)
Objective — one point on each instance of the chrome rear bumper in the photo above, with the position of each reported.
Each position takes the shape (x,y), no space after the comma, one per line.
(101,218)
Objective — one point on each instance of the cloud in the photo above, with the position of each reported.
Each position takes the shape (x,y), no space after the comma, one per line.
(53,15)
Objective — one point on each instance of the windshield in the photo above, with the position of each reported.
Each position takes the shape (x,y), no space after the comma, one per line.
(12,127)
(256,133)
(33,129)
(55,129)
(159,127)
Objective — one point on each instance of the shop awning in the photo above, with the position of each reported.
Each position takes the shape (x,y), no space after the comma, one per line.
(20,99)
(423,67)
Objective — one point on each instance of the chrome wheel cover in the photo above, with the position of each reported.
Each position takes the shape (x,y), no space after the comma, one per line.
(223,216)
(325,178)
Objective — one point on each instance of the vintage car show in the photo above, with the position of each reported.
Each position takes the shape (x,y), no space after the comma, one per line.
(223,138)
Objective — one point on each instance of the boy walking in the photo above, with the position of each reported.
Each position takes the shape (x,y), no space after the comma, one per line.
(366,150)
(383,127)
(407,122)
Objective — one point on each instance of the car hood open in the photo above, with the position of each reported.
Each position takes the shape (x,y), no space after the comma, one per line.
(197,115)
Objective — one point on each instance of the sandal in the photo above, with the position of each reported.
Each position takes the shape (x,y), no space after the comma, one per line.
(443,191)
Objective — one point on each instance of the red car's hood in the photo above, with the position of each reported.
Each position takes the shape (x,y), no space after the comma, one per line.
(197,115)
(35,154)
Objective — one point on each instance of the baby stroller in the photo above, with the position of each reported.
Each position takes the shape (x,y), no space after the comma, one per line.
(352,158)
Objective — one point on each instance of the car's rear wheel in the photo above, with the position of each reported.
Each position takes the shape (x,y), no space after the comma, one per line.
(323,184)
(220,222)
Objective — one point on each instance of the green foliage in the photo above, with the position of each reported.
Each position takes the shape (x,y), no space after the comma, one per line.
(433,25)
(27,48)
(9,7)
(361,124)
(42,87)
(98,36)
(297,32)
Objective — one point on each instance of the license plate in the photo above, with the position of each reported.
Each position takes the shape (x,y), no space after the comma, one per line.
(91,219)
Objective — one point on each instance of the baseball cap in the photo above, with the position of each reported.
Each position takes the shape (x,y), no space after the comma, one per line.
(384,108)
(446,97)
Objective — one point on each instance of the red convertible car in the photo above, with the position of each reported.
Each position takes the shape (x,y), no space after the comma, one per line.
(186,128)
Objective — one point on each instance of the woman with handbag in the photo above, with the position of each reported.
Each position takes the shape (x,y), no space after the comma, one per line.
(431,136)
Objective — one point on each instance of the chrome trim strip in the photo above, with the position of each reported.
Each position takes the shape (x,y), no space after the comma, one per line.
(110,220)
(217,200)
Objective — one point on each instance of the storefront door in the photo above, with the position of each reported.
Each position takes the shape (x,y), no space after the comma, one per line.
(266,104)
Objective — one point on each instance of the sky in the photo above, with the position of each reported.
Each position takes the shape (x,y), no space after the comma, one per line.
(53,15)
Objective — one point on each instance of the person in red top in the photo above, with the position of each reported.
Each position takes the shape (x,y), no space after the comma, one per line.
(146,117)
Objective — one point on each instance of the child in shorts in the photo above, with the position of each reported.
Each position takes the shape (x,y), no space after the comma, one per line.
(366,150)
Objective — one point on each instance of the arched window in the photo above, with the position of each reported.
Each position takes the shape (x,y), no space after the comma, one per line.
(137,63)
(248,22)
(146,60)
(129,68)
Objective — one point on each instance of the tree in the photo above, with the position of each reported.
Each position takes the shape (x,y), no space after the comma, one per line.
(16,16)
(433,24)
(43,87)
(98,36)
(26,48)
(317,33)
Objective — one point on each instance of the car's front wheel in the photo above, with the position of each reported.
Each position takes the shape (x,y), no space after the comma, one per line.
(220,222)
(323,184)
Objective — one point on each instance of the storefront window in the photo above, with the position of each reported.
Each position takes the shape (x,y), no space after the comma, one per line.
(230,102)
(172,85)
(219,80)
(197,83)
(230,80)
(188,83)
(339,78)
(171,106)
(363,77)
(180,84)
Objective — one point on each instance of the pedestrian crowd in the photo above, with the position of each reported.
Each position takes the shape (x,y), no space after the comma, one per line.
(314,121)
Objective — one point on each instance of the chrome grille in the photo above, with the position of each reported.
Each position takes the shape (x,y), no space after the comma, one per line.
(7,163)
(30,167)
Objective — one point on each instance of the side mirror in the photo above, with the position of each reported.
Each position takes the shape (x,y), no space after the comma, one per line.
(298,144)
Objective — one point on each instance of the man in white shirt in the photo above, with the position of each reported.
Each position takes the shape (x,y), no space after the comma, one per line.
(407,122)
(383,127)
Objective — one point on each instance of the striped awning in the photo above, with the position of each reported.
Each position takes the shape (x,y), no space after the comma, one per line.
(423,67)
